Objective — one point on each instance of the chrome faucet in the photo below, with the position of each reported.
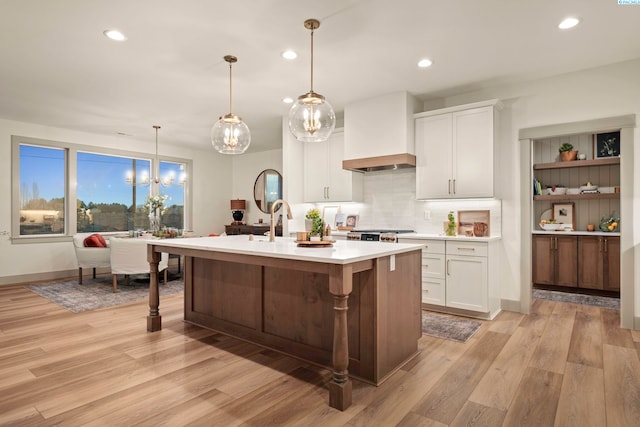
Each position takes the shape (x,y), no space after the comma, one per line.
(272,228)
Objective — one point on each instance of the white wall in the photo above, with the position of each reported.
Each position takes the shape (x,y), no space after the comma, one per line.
(21,262)
(246,169)
(601,92)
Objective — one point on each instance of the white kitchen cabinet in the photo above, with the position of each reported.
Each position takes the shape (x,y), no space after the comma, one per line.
(455,152)
(460,276)
(324,178)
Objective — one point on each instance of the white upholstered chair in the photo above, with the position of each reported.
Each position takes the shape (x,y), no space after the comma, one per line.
(89,257)
(129,256)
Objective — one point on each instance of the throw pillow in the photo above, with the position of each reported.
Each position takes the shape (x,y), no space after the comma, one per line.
(95,241)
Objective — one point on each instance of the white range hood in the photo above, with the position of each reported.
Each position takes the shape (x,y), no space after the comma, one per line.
(378,133)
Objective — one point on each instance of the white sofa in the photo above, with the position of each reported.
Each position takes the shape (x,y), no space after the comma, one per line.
(89,257)
(129,256)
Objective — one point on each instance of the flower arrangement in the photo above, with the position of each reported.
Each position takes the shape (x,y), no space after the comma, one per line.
(316,220)
(155,204)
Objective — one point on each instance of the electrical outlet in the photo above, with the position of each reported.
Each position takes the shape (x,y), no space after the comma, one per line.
(427,215)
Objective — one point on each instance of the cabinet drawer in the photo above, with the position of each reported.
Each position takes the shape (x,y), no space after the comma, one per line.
(434,247)
(433,265)
(467,248)
(433,291)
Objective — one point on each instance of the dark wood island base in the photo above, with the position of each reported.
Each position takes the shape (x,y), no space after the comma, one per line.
(360,319)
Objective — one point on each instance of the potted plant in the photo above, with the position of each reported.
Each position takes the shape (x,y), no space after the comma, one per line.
(313,224)
(567,152)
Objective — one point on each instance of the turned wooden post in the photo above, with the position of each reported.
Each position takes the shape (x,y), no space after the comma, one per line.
(340,285)
(154,320)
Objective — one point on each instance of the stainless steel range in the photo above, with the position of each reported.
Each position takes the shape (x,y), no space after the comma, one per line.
(377,235)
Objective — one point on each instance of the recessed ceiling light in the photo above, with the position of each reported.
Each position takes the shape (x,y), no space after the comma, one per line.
(289,54)
(115,35)
(287,100)
(568,23)
(424,63)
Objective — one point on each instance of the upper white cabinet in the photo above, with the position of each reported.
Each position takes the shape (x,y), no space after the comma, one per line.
(454,152)
(324,178)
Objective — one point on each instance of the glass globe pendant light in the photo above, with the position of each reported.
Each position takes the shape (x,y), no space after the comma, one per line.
(311,118)
(230,135)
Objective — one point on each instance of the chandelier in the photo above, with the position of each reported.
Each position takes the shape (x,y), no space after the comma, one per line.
(166,181)
(311,118)
(230,135)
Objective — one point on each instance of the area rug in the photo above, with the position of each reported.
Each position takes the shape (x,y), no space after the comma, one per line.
(448,327)
(594,300)
(98,293)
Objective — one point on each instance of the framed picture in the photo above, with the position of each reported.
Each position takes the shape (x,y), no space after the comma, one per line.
(563,213)
(330,214)
(606,145)
(352,221)
(474,223)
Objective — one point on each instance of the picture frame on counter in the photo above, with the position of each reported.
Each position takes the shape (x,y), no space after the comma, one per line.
(564,213)
(606,144)
(475,223)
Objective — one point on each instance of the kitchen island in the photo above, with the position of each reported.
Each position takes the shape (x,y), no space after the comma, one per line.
(353,307)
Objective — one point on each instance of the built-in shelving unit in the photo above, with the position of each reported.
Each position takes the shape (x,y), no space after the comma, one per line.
(578,163)
(560,197)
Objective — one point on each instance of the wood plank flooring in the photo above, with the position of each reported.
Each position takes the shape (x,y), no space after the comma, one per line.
(562,365)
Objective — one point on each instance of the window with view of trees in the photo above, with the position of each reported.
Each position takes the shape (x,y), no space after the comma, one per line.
(42,190)
(110,193)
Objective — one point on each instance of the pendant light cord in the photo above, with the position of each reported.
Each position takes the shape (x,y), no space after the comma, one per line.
(312,30)
(230,86)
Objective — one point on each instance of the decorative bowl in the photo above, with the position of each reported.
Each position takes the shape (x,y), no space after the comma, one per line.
(588,187)
(558,190)
(551,227)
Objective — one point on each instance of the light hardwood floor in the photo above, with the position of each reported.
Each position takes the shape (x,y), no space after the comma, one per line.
(563,365)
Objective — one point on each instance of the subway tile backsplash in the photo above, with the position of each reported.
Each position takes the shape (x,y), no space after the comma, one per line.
(389,202)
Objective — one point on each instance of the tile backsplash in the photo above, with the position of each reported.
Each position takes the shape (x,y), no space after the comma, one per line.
(389,202)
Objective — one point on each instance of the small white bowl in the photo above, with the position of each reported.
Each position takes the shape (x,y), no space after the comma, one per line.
(588,187)
(551,227)
(557,191)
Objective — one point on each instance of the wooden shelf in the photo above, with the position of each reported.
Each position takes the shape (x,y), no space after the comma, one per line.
(578,163)
(577,196)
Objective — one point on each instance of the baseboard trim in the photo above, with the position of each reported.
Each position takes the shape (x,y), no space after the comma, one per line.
(636,323)
(511,305)
(38,277)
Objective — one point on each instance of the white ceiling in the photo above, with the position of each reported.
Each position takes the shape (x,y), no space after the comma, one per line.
(57,68)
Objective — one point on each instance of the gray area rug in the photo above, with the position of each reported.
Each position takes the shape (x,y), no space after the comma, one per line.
(447,327)
(594,300)
(98,293)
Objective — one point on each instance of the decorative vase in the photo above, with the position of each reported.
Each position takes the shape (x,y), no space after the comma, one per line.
(567,156)
(154,223)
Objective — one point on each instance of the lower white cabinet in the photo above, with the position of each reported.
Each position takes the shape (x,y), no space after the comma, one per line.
(460,276)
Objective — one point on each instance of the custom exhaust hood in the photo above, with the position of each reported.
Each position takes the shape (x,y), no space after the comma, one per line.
(378,133)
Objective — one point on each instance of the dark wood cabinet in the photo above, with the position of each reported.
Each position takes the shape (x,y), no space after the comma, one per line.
(257,230)
(599,266)
(555,260)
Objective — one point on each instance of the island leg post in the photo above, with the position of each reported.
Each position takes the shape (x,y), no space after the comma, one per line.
(154,320)
(340,285)
(340,385)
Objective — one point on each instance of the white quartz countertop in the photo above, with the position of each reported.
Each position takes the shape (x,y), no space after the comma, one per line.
(342,251)
(425,236)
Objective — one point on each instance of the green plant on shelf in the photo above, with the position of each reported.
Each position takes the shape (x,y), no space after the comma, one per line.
(565,147)
(451,225)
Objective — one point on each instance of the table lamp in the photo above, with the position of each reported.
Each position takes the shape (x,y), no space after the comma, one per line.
(237,208)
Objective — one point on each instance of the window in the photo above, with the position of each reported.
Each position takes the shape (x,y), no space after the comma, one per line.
(42,190)
(106,189)
(172,179)
(110,192)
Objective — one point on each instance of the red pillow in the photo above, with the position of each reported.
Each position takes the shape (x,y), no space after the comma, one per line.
(95,241)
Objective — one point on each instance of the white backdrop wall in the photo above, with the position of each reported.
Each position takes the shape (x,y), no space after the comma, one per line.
(246,169)
(601,92)
(22,262)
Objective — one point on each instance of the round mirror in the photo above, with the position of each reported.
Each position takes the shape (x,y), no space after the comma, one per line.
(267,189)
